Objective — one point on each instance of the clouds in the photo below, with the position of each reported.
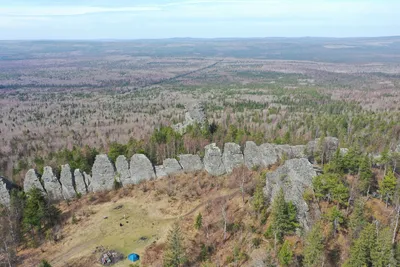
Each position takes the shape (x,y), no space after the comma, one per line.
(197,18)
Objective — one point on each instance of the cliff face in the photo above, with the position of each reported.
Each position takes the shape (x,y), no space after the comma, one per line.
(139,168)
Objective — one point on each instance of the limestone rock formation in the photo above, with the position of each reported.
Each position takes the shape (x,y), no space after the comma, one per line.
(32,181)
(141,168)
(232,157)
(252,155)
(51,184)
(213,160)
(88,180)
(194,114)
(172,166)
(67,182)
(80,184)
(269,155)
(160,172)
(191,163)
(123,173)
(103,174)
(5,187)
(294,177)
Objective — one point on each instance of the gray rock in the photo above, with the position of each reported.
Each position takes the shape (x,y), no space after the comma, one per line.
(232,157)
(123,173)
(269,156)
(294,177)
(172,166)
(67,182)
(80,185)
(397,150)
(194,114)
(213,160)
(51,184)
(103,174)
(191,163)
(252,155)
(283,151)
(160,172)
(88,181)
(32,181)
(5,188)
(298,152)
(141,169)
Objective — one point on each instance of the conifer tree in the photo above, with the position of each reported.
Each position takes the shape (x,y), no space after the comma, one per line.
(382,253)
(314,247)
(174,255)
(360,251)
(387,186)
(198,222)
(365,174)
(285,254)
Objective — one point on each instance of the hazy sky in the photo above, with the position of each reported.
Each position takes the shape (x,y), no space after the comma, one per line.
(123,19)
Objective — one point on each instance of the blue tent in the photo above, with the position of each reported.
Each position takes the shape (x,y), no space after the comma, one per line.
(133,257)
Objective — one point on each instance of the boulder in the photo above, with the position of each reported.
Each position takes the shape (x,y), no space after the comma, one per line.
(194,114)
(51,184)
(5,188)
(269,155)
(397,150)
(324,150)
(172,166)
(298,152)
(213,160)
(80,185)
(294,177)
(67,182)
(141,169)
(32,181)
(191,163)
(283,151)
(160,171)
(103,174)
(252,155)
(123,173)
(232,157)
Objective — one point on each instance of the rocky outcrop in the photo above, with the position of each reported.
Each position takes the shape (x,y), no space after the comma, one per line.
(172,166)
(160,172)
(252,155)
(294,177)
(123,174)
(88,180)
(232,157)
(191,163)
(194,114)
(32,181)
(103,174)
(269,155)
(213,160)
(51,184)
(80,183)
(5,188)
(67,182)
(141,169)
(324,150)
(298,152)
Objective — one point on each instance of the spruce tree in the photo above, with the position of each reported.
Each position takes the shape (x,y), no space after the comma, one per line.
(365,174)
(314,247)
(387,186)
(360,251)
(382,253)
(198,222)
(174,255)
(285,254)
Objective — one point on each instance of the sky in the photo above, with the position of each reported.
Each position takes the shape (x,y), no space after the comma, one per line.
(152,19)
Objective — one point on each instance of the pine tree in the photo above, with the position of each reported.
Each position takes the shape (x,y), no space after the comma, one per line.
(258,201)
(387,186)
(360,251)
(357,219)
(174,256)
(314,247)
(285,254)
(382,253)
(198,222)
(365,174)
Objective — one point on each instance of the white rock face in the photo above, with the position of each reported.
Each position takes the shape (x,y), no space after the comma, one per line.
(51,184)
(232,157)
(191,163)
(5,188)
(123,172)
(213,160)
(67,182)
(172,166)
(103,174)
(269,156)
(88,181)
(252,155)
(294,177)
(160,172)
(32,181)
(80,185)
(141,169)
